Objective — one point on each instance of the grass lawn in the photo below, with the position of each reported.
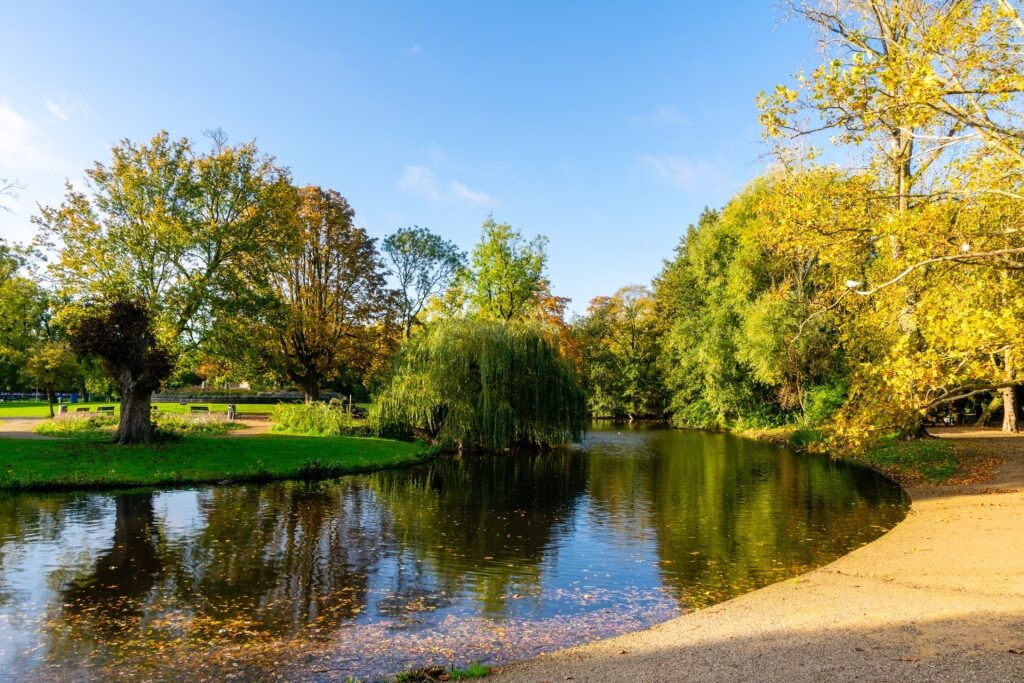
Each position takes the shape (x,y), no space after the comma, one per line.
(931,461)
(84,463)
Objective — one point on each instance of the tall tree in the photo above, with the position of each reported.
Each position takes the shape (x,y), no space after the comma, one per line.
(24,316)
(937,88)
(424,265)
(333,286)
(506,278)
(183,233)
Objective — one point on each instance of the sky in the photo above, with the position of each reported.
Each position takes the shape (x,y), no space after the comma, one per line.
(605,126)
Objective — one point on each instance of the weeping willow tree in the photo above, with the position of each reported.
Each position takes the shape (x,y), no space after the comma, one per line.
(482,385)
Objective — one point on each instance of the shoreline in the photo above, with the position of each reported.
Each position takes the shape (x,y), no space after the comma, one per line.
(939,597)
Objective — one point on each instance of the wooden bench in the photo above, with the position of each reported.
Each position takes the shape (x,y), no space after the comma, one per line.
(82,410)
(105,409)
(199,409)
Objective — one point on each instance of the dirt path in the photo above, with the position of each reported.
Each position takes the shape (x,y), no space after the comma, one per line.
(24,428)
(253,427)
(21,428)
(940,597)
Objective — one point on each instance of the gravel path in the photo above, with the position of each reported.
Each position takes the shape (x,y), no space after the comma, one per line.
(939,598)
(21,428)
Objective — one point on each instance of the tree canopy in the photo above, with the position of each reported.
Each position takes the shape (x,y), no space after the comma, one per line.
(473,385)
(424,265)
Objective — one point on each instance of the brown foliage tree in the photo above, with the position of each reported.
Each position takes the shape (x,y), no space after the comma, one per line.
(332,282)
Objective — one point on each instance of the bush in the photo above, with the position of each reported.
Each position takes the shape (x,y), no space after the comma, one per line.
(91,427)
(201,425)
(104,426)
(822,402)
(318,419)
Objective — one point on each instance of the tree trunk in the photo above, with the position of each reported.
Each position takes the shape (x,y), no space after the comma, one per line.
(987,412)
(50,400)
(1010,410)
(1009,393)
(136,423)
(311,386)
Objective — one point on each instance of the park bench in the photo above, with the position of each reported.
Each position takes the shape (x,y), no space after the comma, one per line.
(82,410)
(105,409)
(199,409)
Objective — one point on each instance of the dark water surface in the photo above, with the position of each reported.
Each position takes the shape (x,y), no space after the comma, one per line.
(477,559)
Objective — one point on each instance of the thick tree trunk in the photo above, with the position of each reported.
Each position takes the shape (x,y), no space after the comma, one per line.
(50,400)
(136,423)
(311,386)
(1010,410)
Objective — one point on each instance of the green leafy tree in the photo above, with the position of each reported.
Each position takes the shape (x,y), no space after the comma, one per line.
(50,366)
(483,385)
(621,342)
(506,278)
(424,265)
(185,234)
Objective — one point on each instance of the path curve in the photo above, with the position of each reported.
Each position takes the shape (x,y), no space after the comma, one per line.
(940,597)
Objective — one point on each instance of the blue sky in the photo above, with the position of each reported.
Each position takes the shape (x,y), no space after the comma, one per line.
(605,126)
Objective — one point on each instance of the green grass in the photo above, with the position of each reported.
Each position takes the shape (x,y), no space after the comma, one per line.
(84,463)
(472,671)
(929,460)
(39,409)
(435,673)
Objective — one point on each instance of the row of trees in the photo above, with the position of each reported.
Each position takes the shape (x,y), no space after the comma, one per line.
(871,293)
(179,264)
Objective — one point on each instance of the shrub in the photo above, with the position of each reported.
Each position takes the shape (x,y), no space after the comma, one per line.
(104,426)
(822,402)
(317,419)
(91,427)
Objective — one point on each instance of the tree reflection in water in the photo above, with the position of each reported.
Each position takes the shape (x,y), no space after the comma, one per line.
(478,557)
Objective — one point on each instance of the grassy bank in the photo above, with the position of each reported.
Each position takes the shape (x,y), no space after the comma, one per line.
(83,463)
(927,461)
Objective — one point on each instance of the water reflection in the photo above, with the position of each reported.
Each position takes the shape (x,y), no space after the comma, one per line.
(457,560)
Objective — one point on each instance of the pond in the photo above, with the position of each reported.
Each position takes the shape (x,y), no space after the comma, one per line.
(460,560)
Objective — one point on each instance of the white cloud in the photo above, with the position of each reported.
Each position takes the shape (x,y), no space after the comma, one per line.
(691,175)
(464,194)
(21,148)
(413,50)
(423,182)
(420,181)
(664,116)
(55,109)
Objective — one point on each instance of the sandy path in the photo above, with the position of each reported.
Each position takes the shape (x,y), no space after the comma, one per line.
(24,428)
(940,597)
(21,428)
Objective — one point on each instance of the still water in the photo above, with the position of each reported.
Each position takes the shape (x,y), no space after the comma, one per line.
(457,561)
